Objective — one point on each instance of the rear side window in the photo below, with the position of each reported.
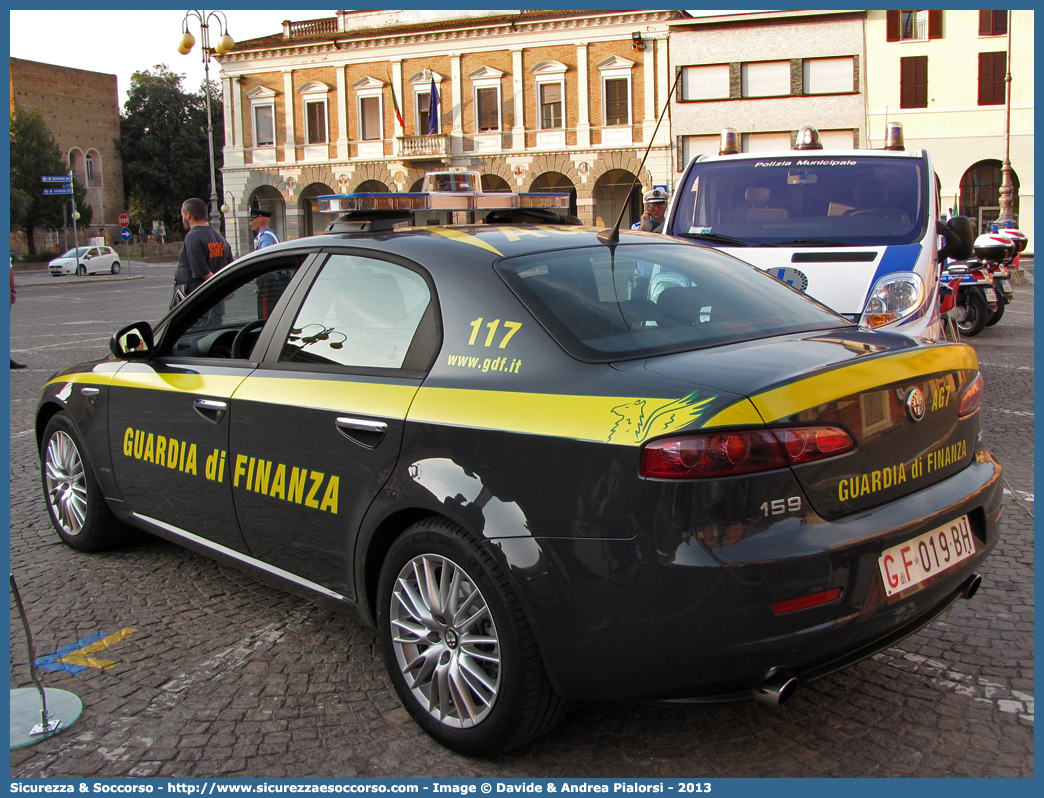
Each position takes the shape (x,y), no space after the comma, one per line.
(360,313)
(649,299)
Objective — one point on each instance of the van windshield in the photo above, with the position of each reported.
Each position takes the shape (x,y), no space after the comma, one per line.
(804,201)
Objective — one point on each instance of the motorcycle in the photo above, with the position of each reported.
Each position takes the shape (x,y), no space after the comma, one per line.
(976,299)
(997,251)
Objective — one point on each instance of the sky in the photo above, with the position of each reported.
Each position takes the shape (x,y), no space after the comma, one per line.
(123,42)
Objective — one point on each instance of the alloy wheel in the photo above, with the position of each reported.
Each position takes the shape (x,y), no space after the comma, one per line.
(445,641)
(66,483)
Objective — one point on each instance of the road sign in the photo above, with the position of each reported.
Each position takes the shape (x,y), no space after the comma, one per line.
(124,220)
(125,234)
(66,189)
(55,179)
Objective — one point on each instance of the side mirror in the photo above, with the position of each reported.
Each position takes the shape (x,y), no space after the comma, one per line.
(959,235)
(133,342)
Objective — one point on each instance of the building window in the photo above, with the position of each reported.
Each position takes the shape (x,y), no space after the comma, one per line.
(992,67)
(90,162)
(913,89)
(423,99)
(550,105)
(370,118)
(315,121)
(914,25)
(692,146)
(828,75)
(264,125)
(487,109)
(766,79)
(766,142)
(705,82)
(617,101)
(993,23)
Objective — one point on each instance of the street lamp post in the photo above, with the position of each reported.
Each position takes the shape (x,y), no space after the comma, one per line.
(1007,187)
(225,210)
(223,45)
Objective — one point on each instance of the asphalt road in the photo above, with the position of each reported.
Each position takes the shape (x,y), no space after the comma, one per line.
(225,676)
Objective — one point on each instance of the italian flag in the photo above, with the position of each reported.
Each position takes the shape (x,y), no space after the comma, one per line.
(398,113)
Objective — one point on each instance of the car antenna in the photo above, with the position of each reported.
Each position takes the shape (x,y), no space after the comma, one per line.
(612,237)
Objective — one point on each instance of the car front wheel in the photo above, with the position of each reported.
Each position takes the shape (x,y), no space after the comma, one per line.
(116,267)
(81,271)
(75,503)
(458,646)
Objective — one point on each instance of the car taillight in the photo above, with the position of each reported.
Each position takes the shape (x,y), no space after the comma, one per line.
(971,399)
(726,454)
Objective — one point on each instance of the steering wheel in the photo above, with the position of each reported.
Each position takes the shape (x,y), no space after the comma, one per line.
(880,214)
(239,342)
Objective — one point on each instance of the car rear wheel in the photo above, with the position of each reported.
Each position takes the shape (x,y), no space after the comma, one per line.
(78,511)
(457,644)
(116,267)
(971,312)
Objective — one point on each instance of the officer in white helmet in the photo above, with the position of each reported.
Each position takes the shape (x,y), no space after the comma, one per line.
(655,210)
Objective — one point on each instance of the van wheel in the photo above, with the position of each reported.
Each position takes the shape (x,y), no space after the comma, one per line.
(971,312)
(458,646)
(75,503)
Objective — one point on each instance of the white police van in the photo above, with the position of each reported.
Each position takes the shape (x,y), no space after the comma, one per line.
(858,230)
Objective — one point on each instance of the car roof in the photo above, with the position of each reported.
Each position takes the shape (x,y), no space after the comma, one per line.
(498,241)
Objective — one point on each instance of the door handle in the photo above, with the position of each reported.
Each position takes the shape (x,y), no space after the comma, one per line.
(362,431)
(210,409)
(89,391)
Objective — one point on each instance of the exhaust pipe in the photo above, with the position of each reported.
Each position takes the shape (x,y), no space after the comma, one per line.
(775,690)
(971,587)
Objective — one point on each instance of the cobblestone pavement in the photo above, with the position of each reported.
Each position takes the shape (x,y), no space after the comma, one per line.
(225,676)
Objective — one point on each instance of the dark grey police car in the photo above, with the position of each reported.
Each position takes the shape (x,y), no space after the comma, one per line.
(544,467)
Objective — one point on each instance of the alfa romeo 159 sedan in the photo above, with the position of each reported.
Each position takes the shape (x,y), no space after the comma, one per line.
(543,466)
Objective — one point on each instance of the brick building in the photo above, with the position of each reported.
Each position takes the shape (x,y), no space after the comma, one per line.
(766,74)
(536,100)
(81,109)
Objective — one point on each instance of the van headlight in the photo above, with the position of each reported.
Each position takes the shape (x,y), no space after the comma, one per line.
(894,297)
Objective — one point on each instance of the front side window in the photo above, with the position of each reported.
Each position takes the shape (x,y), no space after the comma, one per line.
(550,105)
(617,105)
(913,86)
(360,313)
(242,305)
(264,126)
(315,121)
(641,300)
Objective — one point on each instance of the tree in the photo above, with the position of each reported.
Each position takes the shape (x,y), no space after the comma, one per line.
(164,146)
(34,154)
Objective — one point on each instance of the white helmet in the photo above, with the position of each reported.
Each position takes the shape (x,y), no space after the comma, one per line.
(655,195)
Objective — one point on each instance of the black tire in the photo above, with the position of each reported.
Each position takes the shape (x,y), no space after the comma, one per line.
(116,267)
(510,701)
(998,314)
(971,312)
(75,503)
(81,271)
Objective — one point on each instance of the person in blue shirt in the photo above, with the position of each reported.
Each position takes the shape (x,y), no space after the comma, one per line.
(265,236)
(655,208)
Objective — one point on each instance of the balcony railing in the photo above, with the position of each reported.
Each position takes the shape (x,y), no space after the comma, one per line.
(435,145)
(311,27)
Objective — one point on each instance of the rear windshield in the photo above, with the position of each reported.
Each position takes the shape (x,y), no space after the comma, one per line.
(804,201)
(649,299)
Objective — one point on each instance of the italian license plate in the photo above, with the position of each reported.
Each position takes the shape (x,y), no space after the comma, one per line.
(910,563)
(1006,285)
(991,295)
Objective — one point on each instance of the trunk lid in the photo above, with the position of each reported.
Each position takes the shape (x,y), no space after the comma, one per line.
(897,397)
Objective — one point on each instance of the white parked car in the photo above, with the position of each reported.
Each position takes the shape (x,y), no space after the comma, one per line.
(92,261)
